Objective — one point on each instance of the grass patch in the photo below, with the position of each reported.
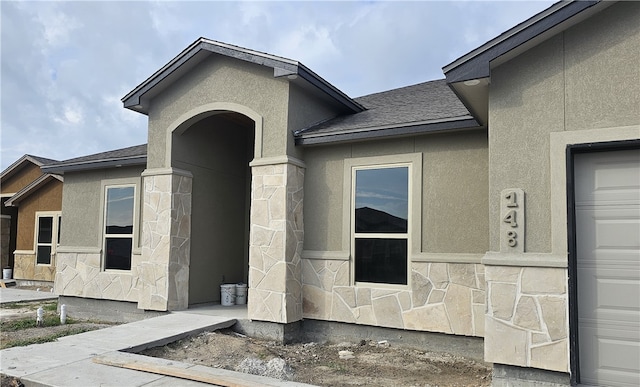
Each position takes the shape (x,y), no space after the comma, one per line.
(44,339)
(49,320)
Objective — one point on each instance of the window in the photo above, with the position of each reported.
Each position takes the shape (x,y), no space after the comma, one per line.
(118,229)
(47,236)
(380,223)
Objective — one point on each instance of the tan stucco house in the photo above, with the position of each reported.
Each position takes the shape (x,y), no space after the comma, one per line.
(500,203)
(31,203)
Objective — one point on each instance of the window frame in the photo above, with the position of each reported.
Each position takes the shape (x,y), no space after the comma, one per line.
(56,217)
(105,235)
(413,162)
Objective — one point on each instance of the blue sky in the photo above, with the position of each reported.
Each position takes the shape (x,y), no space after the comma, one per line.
(66,65)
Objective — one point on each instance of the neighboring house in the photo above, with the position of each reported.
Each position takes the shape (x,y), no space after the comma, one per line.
(31,215)
(466,206)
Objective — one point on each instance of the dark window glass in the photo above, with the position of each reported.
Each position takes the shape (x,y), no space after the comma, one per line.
(43,255)
(45,229)
(118,253)
(381,261)
(119,210)
(382,200)
(59,226)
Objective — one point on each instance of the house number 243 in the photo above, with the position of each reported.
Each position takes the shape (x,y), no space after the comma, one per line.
(512,220)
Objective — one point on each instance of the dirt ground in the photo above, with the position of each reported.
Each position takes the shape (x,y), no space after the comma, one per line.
(364,363)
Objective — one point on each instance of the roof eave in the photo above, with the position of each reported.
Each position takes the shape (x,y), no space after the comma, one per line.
(476,64)
(459,123)
(15,166)
(282,66)
(61,168)
(31,187)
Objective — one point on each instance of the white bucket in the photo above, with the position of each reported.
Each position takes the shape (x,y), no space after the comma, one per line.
(241,294)
(227,294)
(7,273)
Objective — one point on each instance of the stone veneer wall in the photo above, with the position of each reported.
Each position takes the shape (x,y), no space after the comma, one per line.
(526,323)
(276,239)
(79,274)
(24,267)
(444,297)
(159,277)
(166,233)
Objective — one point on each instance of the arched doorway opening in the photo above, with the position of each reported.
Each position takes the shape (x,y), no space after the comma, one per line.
(217,150)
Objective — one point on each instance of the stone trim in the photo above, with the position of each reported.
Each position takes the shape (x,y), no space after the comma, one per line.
(276,160)
(24,252)
(446,257)
(326,255)
(166,171)
(79,249)
(492,258)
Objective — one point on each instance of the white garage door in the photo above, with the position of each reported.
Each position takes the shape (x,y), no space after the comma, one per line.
(607,193)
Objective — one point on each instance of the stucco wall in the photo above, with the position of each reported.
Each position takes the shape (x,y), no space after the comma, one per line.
(217,153)
(580,86)
(584,78)
(47,198)
(81,204)
(221,79)
(454,186)
(446,287)
(20,179)
(305,110)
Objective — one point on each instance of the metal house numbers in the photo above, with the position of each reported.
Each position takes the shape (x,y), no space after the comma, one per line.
(512,220)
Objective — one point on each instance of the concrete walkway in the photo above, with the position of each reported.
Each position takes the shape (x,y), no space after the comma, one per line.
(10,295)
(70,360)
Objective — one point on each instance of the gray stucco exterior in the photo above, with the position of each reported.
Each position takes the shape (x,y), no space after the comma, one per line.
(235,189)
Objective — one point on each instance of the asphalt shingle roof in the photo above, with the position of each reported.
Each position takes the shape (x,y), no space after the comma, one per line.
(132,151)
(415,104)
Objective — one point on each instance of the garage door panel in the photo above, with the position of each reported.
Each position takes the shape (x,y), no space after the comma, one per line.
(609,233)
(607,209)
(619,351)
(603,177)
(603,294)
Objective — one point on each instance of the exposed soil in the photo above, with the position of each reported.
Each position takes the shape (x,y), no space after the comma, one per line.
(364,363)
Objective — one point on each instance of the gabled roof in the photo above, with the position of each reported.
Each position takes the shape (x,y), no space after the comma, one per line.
(22,161)
(421,108)
(31,187)
(137,99)
(469,74)
(134,155)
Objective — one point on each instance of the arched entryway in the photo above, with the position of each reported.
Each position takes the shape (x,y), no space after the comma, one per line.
(216,147)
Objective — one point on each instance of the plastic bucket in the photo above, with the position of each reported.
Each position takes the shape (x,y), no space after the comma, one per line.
(241,294)
(227,294)
(7,273)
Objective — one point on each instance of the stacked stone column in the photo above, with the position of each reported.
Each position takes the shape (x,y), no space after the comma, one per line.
(276,238)
(164,268)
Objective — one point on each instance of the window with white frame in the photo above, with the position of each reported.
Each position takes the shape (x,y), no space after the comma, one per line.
(47,236)
(380,223)
(118,227)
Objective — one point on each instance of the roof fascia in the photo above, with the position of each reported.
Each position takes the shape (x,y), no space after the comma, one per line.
(95,164)
(477,63)
(282,67)
(30,188)
(17,165)
(457,124)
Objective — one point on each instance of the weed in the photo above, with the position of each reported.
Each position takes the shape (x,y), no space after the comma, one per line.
(50,320)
